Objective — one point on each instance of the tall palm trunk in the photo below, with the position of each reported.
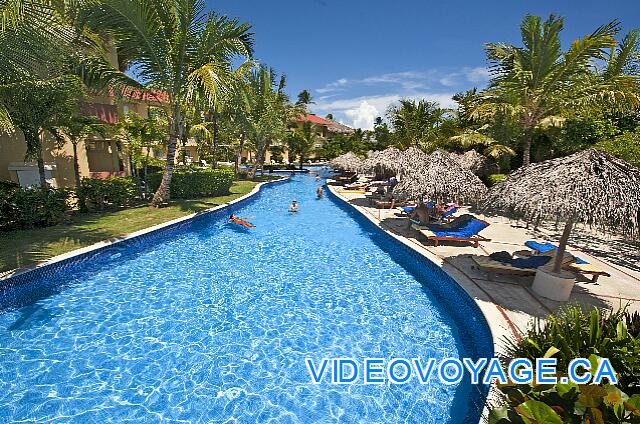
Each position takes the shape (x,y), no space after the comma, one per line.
(527,140)
(33,139)
(239,155)
(216,138)
(76,165)
(163,194)
(262,152)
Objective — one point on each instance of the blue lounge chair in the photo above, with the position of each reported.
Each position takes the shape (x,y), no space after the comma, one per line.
(463,228)
(578,265)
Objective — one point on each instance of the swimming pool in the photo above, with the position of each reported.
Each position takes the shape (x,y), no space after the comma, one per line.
(211,323)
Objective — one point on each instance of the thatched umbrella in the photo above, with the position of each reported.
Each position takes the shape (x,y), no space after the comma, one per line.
(410,160)
(383,162)
(591,187)
(480,165)
(347,162)
(440,178)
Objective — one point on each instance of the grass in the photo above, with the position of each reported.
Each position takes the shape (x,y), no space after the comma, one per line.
(25,247)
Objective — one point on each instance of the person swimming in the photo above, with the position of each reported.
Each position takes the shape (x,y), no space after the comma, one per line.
(233,219)
(317,177)
(293,207)
(320,192)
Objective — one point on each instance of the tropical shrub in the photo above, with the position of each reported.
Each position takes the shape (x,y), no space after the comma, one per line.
(96,195)
(191,183)
(566,403)
(495,178)
(31,207)
(569,334)
(625,146)
(579,335)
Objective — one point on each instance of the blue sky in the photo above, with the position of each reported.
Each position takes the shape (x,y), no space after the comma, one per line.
(359,56)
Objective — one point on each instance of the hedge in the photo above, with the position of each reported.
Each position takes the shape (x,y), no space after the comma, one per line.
(31,207)
(113,192)
(192,183)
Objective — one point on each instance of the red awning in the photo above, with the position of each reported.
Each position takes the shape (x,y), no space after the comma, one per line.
(104,112)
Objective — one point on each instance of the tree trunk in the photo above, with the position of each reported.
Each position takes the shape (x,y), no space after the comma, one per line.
(40,160)
(239,155)
(301,161)
(262,152)
(76,165)
(163,194)
(527,140)
(43,178)
(216,139)
(562,247)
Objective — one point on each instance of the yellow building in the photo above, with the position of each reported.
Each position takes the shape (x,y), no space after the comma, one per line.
(97,157)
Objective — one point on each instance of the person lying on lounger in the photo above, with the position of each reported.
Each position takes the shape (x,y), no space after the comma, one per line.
(421,213)
(233,219)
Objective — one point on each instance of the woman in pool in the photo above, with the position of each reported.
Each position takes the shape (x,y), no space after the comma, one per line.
(239,221)
(293,207)
(320,192)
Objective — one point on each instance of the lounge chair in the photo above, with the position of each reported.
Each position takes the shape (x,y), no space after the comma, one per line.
(578,265)
(514,266)
(463,228)
(389,204)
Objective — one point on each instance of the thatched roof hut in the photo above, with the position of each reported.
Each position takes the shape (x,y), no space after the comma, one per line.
(383,162)
(480,165)
(438,177)
(410,160)
(591,187)
(347,162)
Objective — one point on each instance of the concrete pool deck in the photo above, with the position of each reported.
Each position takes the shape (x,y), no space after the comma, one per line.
(508,302)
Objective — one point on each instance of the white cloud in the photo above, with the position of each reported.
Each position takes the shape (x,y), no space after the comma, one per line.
(334,86)
(479,75)
(363,116)
(358,101)
(360,112)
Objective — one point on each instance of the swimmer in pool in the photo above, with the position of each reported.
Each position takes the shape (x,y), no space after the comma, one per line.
(239,221)
(293,207)
(320,192)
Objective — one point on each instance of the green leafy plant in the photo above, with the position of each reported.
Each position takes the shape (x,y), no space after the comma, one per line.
(95,194)
(578,335)
(191,183)
(625,146)
(566,403)
(496,178)
(31,207)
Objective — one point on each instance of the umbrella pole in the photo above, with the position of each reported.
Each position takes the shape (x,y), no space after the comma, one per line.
(562,247)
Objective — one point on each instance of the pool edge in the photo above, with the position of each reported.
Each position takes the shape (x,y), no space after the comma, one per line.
(492,319)
(58,260)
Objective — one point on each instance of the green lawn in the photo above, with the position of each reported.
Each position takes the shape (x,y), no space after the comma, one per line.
(25,247)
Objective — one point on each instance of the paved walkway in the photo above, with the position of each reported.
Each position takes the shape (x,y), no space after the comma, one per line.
(508,302)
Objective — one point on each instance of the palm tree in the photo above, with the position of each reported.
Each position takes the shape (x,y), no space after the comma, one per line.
(418,124)
(77,128)
(177,48)
(268,109)
(539,80)
(38,107)
(301,141)
(43,51)
(470,139)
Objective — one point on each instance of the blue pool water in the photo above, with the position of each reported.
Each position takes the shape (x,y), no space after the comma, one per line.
(212,323)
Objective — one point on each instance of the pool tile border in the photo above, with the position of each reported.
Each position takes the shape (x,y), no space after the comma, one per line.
(111,246)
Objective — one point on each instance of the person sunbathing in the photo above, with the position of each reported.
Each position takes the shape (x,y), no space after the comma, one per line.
(233,219)
(421,214)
